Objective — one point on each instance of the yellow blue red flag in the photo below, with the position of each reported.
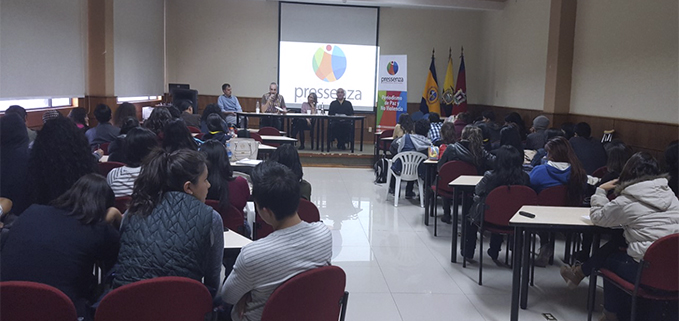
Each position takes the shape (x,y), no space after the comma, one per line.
(430,95)
(448,90)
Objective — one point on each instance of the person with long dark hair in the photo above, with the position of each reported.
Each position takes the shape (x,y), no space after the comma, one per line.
(646,209)
(168,226)
(405,125)
(124,111)
(58,244)
(562,168)
(224,187)
(469,150)
(59,157)
(507,171)
(209,110)
(159,117)
(139,143)
(13,162)
(217,129)
(177,136)
(288,156)
(116,150)
(79,116)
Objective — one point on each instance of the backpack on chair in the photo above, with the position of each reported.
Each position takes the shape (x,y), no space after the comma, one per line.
(381,170)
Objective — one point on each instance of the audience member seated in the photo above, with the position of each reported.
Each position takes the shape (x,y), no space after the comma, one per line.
(60,156)
(461,121)
(672,162)
(469,150)
(174,112)
(590,151)
(510,135)
(515,118)
(295,246)
(104,132)
(340,129)
(124,111)
(508,171)
(116,150)
(217,129)
(21,112)
(417,142)
(540,156)
(139,143)
(299,125)
(58,244)
(79,116)
(14,161)
(490,129)
(435,124)
(536,139)
(405,125)
(156,122)
(168,227)
(186,108)
(569,129)
(646,209)
(288,156)
(177,136)
(447,134)
(209,110)
(49,115)
(224,187)
(562,168)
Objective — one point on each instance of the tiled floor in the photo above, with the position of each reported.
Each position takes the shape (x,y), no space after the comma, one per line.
(397,270)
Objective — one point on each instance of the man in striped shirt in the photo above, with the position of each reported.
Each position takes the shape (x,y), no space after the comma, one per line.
(295,246)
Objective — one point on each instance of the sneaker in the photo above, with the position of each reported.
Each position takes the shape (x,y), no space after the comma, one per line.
(543,258)
(410,195)
(447,219)
(572,275)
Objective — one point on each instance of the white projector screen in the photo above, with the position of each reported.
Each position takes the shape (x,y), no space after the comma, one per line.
(325,47)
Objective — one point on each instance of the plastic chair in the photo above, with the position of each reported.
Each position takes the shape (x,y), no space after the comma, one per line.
(600,172)
(106,167)
(448,172)
(168,298)
(409,161)
(384,145)
(104,147)
(307,211)
(232,217)
(317,294)
(194,130)
(122,203)
(657,277)
(23,300)
(501,204)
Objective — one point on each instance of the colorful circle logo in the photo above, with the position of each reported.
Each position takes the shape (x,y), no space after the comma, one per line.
(329,63)
(392,68)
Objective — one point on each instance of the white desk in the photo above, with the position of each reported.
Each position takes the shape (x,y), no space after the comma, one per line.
(233,240)
(248,162)
(277,139)
(466,181)
(265,147)
(463,184)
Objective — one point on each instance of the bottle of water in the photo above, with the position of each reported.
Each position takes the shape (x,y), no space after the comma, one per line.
(257,108)
(228,150)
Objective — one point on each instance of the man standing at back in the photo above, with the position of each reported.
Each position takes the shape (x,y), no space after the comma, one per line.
(295,246)
(340,128)
(590,151)
(229,105)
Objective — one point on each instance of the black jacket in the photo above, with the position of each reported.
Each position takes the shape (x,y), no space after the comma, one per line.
(460,152)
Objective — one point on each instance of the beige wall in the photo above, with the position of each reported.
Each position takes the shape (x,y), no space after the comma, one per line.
(625,60)
(414,32)
(210,42)
(514,45)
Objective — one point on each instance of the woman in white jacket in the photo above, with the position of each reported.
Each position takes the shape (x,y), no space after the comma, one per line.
(645,208)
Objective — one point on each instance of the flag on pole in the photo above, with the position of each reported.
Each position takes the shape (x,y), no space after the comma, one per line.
(430,95)
(460,97)
(448,90)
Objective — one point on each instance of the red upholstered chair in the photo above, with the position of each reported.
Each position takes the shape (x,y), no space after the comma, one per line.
(448,172)
(232,218)
(501,204)
(269,131)
(657,277)
(194,130)
(123,203)
(600,172)
(22,300)
(384,145)
(256,137)
(307,211)
(104,147)
(317,294)
(168,298)
(106,167)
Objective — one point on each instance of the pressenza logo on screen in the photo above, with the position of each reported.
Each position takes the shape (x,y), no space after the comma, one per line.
(329,63)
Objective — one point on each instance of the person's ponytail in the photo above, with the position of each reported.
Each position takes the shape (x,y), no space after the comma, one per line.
(149,186)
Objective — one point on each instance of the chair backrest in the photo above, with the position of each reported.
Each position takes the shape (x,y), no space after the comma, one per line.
(168,298)
(660,264)
(256,137)
(384,145)
(554,196)
(232,218)
(504,201)
(122,203)
(600,172)
(104,147)
(200,136)
(22,300)
(242,148)
(409,163)
(105,167)
(317,294)
(308,211)
(269,131)
(194,130)
(452,170)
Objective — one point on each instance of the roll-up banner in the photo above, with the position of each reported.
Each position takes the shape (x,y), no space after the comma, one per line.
(392,90)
